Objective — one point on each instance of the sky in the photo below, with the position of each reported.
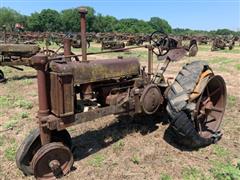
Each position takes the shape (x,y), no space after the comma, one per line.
(193,14)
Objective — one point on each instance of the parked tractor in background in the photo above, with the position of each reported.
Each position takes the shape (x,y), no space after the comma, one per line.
(221,44)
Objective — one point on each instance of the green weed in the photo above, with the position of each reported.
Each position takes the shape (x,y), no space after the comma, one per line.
(27,81)
(97,160)
(231,100)
(1,140)
(220,151)
(118,146)
(222,171)
(191,173)
(237,66)
(135,159)
(10,152)
(24,115)
(25,104)
(5,102)
(165,177)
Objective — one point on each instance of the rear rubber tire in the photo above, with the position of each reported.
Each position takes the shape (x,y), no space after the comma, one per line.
(179,107)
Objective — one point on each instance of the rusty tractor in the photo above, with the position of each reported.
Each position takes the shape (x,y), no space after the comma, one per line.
(73,92)
(221,44)
(13,55)
(172,43)
(112,45)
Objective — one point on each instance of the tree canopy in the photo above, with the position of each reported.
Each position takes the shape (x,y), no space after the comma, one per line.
(68,20)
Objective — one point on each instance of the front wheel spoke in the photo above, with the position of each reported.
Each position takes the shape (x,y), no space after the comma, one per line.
(214,92)
(212,116)
(200,116)
(216,109)
(208,94)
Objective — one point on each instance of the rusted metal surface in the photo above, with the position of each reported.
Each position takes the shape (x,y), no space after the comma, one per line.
(22,50)
(112,45)
(83,12)
(67,47)
(94,71)
(61,94)
(43,98)
(151,99)
(51,161)
(211,106)
(221,44)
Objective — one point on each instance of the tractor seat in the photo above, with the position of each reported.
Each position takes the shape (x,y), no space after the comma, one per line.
(23,50)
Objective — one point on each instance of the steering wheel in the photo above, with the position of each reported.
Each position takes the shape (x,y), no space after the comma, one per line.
(160,42)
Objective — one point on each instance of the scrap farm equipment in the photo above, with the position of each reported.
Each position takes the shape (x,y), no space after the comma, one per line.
(221,44)
(171,43)
(73,92)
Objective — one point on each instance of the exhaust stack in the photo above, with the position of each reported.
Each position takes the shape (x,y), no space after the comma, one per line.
(83,12)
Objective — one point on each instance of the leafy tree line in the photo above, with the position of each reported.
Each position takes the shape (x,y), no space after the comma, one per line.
(69,21)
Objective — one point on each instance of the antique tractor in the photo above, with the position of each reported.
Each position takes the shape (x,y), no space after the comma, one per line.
(13,55)
(112,45)
(221,44)
(73,92)
(168,43)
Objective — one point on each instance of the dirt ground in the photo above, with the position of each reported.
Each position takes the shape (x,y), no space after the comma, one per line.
(124,148)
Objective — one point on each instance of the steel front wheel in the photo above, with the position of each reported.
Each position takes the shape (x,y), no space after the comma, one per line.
(52,161)
(32,144)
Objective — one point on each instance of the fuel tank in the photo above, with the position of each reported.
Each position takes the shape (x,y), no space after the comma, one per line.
(96,70)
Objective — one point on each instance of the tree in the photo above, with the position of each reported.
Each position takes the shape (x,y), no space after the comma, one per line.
(104,23)
(132,25)
(10,17)
(160,24)
(34,23)
(70,20)
(50,20)
(46,20)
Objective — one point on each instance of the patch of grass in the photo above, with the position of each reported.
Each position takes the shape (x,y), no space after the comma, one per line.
(135,159)
(118,146)
(220,151)
(10,152)
(237,66)
(233,51)
(231,100)
(1,114)
(27,81)
(97,160)
(5,102)
(25,104)
(165,177)
(190,173)
(222,60)
(91,49)
(12,122)
(204,48)
(24,115)
(1,140)
(222,171)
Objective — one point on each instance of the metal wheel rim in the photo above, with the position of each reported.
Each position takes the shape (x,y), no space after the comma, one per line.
(208,124)
(47,153)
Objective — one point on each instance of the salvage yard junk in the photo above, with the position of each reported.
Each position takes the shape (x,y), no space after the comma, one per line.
(173,43)
(72,92)
(221,44)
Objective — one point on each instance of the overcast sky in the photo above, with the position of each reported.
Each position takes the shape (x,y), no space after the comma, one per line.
(194,14)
